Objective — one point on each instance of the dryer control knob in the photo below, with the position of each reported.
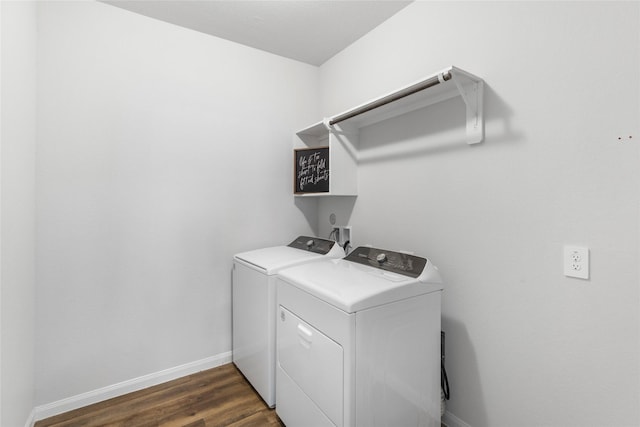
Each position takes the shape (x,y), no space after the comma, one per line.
(381,258)
(310,243)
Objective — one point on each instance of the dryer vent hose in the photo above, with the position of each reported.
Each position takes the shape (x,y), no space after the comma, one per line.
(444,381)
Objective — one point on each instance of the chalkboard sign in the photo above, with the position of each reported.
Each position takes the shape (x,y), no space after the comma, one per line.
(311,170)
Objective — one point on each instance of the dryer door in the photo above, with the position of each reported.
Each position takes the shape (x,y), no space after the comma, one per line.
(313,361)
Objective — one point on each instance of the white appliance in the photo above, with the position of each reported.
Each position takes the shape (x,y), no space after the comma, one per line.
(254,305)
(358,342)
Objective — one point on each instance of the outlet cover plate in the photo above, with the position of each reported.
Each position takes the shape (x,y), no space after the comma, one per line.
(576,261)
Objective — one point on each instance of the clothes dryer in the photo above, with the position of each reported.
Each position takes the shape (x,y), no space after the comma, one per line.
(358,342)
(254,305)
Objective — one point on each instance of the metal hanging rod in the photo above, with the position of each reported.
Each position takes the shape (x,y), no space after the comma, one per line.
(425,84)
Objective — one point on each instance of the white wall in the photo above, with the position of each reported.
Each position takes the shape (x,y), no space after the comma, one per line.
(161,153)
(526,346)
(17,210)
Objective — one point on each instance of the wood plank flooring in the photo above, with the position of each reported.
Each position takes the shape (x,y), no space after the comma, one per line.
(215,397)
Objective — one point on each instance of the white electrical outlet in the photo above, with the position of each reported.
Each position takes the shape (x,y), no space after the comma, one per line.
(576,262)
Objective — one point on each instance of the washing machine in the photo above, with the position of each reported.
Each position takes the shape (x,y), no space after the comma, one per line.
(254,305)
(358,342)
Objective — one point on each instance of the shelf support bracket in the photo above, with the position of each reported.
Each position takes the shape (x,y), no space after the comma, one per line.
(472,92)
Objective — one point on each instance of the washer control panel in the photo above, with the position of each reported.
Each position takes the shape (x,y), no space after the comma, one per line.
(312,244)
(396,262)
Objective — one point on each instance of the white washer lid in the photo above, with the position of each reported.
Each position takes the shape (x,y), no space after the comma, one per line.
(352,287)
(275,258)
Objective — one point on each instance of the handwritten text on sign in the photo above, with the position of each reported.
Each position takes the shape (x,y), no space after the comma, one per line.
(312,170)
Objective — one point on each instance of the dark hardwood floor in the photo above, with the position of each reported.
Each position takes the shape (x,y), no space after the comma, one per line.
(216,397)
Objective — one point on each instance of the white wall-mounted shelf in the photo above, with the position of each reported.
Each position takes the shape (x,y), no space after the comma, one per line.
(340,132)
(343,163)
(446,84)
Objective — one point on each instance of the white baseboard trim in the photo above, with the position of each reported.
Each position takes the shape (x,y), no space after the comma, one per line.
(451,420)
(32,419)
(74,402)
